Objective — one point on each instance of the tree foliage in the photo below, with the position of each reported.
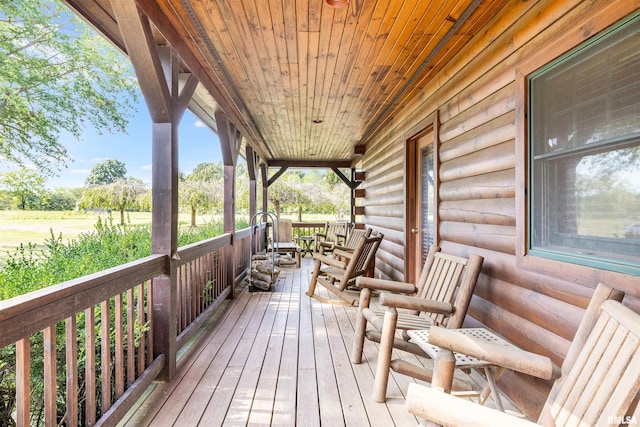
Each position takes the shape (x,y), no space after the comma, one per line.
(106,172)
(124,194)
(199,195)
(56,75)
(24,185)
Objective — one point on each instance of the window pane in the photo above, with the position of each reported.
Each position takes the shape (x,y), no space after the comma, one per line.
(584,129)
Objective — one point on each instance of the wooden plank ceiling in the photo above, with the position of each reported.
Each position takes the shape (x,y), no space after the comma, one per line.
(303,81)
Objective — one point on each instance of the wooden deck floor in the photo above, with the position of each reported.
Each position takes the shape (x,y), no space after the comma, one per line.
(276,358)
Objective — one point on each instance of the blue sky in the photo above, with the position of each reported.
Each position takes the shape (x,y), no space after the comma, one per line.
(197,144)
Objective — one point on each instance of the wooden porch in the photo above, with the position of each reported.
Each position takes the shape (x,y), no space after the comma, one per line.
(276,358)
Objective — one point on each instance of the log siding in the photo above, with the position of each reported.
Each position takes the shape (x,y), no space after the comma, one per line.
(535,303)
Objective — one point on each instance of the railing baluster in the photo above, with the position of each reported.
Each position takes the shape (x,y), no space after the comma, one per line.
(50,385)
(119,346)
(72,370)
(150,354)
(105,347)
(90,365)
(141,324)
(23,381)
(131,367)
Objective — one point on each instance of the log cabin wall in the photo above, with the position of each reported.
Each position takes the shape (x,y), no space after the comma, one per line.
(536,305)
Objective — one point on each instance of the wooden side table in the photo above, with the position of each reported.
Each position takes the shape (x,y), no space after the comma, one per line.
(306,245)
(491,371)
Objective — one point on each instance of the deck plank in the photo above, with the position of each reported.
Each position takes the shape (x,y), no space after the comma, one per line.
(277,359)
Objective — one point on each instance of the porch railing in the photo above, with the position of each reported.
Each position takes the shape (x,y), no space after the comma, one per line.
(96,332)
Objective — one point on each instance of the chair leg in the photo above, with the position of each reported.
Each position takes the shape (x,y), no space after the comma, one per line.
(361,327)
(384,355)
(314,279)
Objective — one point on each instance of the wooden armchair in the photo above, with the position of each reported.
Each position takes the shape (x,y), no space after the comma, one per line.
(442,297)
(600,378)
(342,270)
(334,234)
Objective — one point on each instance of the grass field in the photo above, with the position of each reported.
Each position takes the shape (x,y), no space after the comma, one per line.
(35,227)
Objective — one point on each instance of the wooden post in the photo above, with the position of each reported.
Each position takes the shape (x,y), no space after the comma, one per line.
(251,169)
(164,226)
(265,187)
(230,141)
(157,71)
(229,224)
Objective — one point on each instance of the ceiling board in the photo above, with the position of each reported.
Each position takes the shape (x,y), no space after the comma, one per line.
(301,80)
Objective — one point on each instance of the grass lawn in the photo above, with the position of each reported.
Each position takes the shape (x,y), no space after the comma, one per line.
(35,227)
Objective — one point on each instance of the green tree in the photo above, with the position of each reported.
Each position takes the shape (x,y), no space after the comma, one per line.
(121,195)
(24,185)
(207,172)
(56,74)
(106,172)
(61,199)
(199,195)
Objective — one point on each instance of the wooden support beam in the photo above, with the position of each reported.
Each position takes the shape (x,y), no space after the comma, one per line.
(277,175)
(230,138)
(185,93)
(350,183)
(252,166)
(138,39)
(311,164)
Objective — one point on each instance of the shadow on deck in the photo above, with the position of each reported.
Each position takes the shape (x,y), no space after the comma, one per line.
(275,358)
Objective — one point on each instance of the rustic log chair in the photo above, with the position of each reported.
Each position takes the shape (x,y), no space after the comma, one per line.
(334,234)
(599,382)
(442,297)
(342,269)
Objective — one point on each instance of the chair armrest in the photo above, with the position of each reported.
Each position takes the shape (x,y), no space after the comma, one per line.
(334,262)
(341,253)
(510,357)
(385,285)
(414,303)
(447,410)
(343,248)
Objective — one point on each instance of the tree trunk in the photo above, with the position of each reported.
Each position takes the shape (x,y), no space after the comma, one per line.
(193,217)
(122,216)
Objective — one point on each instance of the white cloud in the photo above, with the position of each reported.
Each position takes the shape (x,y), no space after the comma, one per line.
(146,167)
(200,124)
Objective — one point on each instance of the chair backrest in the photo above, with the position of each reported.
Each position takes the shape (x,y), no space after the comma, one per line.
(285,230)
(334,230)
(446,277)
(604,381)
(363,256)
(354,237)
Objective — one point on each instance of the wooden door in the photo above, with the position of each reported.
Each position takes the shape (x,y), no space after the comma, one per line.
(425,201)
